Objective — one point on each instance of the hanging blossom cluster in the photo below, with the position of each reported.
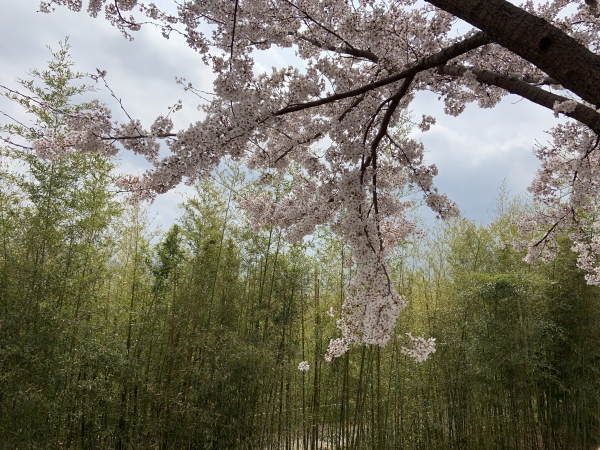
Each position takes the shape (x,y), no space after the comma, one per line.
(364,61)
(419,349)
(304,366)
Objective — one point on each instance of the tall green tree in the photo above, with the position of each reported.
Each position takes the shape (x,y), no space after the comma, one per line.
(54,221)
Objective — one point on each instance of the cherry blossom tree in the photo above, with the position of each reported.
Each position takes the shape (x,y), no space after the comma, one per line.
(335,118)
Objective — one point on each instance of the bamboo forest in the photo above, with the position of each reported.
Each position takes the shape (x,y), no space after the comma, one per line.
(211,334)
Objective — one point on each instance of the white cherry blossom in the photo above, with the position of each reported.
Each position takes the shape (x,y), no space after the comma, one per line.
(304,366)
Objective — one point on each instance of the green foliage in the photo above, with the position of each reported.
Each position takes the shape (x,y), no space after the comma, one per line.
(54,223)
(55,88)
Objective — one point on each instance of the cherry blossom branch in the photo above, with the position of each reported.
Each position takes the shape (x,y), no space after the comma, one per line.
(460,48)
(357,101)
(444,210)
(307,141)
(395,100)
(587,156)
(584,114)
(132,25)
(552,228)
(101,75)
(320,25)
(591,149)
(347,50)
(453,51)
(141,136)
(373,117)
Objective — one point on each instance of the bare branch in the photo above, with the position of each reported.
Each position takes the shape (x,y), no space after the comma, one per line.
(8,141)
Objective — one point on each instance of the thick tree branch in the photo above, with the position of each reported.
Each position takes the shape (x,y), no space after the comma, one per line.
(395,100)
(141,136)
(477,40)
(582,113)
(373,117)
(534,39)
(383,127)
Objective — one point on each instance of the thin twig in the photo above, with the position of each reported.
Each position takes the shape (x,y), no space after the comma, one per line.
(233,33)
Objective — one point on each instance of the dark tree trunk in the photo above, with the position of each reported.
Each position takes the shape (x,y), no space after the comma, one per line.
(534,39)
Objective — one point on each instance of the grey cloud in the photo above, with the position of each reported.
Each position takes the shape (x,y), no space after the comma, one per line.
(475,151)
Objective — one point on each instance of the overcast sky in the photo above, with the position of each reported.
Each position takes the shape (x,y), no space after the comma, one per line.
(474,152)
